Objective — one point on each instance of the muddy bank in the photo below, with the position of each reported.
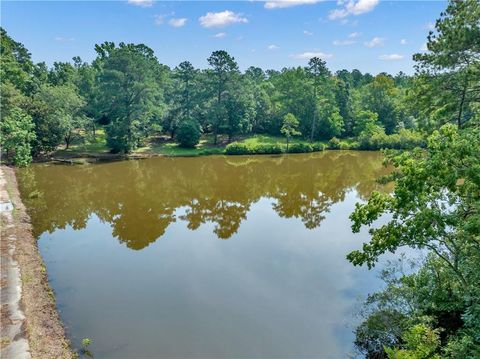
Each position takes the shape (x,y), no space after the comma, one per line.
(31,327)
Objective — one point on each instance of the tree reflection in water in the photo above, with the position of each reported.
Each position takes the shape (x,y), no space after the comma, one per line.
(140,199)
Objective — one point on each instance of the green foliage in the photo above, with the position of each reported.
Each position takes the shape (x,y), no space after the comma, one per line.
(290,127)
(421,342)
(188,134)
(300,147)
(334,144)
(17,135)
(382,329)
(364,121)
(446,86)
(317,147)
(86,342)
(434,207)
(374,138)
(130,87)
(239,148)
(128,95)
(380,97)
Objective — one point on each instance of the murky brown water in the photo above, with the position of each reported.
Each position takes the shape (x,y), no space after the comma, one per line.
(210,257)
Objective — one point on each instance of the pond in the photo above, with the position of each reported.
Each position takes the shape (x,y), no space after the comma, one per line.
(208,257)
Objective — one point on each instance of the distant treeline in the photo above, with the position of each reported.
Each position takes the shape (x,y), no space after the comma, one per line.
(128,93)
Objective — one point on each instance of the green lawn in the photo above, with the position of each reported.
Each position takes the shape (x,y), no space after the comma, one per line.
(167,147)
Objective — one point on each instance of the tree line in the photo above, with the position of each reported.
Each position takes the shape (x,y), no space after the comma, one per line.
(430,308)
(134,98)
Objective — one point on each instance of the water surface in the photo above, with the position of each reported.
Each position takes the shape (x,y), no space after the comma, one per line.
(210,257)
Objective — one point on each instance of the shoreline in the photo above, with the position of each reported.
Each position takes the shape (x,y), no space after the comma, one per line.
(34,328)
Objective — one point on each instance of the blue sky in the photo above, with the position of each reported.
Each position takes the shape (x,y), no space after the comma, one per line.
(370,35)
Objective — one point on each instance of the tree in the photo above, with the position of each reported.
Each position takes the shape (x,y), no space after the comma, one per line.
(317,70)
(364,120)
(129,84)
(16,65)
(344,103)
(17,135)
(446,89)
(60,116)
(293,93)
(188,134)
(290,127)
(186,73)
(434,207)
(224,69)
(379,97)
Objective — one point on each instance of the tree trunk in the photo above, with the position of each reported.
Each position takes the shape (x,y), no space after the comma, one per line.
(287,143)
(314,116)
(460,110)
(215,133)
(67,141)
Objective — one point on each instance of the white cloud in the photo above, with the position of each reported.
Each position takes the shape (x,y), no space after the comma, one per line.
(309,54)
(353,7)
(424,47)
(223,18)
(177,22)
(272,47)
(350,40)
(220,35)
(392,57)
(288,3)
(64,39)
(307,33)
(142,3)
(344,42)
(159,19)
(376,41)
(403,41)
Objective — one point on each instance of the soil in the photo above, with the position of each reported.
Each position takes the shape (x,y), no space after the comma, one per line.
(31,326)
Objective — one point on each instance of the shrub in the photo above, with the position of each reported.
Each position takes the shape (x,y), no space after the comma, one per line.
(300,148)
(267,149)
(238,148)
(317,147)
(16,137)
(376,140)
(188,134)
(334,144)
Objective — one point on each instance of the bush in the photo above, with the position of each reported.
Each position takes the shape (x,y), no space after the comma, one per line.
(16,137)
(300,148)
(377,140)
(239,148)
(317,147)
(334,144)
(267,149)
(188,134)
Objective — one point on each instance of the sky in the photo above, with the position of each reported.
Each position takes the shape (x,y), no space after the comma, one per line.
(370,35)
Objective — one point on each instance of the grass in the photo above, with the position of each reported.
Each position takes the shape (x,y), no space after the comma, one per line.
(167,147)
(170,148)
(272,140)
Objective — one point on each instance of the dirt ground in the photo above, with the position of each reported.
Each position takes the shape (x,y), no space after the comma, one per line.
(31,327)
